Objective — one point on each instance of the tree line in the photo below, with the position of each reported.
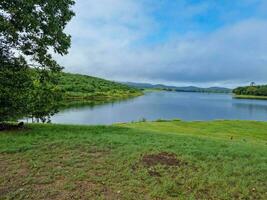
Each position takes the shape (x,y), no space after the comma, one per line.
(260,90)
(93,85)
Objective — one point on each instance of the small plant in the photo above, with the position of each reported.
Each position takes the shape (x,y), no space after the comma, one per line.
(177,120)
(143,120)
(161,120)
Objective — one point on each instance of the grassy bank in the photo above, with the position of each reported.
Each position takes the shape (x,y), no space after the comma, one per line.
(148,160)
(250,97)
(90,89)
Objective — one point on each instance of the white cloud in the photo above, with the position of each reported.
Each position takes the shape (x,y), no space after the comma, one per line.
(107,42)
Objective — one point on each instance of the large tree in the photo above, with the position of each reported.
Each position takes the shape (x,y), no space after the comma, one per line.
(30,32)
(14,79)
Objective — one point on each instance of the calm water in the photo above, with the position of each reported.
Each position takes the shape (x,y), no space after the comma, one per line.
(167,105)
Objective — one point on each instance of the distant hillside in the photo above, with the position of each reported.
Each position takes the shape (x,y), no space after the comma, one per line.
(83,87)
(179,89)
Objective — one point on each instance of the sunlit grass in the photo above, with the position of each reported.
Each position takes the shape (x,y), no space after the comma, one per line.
(217,160)
(250,97)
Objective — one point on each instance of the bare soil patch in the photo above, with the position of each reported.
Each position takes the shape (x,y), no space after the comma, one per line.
(163,158)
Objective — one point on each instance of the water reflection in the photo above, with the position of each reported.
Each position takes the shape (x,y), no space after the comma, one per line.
(252,108)
(166,105)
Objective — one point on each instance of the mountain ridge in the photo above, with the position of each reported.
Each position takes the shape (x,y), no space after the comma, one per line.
(178,89)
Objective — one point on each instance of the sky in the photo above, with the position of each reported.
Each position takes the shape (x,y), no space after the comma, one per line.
(177,42)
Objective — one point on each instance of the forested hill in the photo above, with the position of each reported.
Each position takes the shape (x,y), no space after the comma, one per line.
(180,89)
(260,90)
(76,86)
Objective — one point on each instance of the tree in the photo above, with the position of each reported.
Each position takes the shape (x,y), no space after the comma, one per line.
(14,78)
(30,30)
(252,84)
(44,98)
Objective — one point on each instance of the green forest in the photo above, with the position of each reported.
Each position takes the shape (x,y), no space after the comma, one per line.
(260,90)
(82,87)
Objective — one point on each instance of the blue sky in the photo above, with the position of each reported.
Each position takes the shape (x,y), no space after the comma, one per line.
(179,42)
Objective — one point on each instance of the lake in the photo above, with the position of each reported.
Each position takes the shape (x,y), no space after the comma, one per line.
(167,105)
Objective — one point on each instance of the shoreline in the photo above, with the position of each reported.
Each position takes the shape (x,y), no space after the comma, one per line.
(250,97)
(141,121)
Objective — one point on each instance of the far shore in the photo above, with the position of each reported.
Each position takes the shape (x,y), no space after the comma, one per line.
(250,97)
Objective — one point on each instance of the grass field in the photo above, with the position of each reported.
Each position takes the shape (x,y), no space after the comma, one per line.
(144,160)
(250,97)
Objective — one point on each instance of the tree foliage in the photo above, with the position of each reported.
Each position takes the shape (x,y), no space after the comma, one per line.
(14,79)
(260,90)
(35,27)
(45,96)
(30,31)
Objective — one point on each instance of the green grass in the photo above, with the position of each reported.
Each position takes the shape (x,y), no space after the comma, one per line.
(217,160)
(250,97)
(87,88)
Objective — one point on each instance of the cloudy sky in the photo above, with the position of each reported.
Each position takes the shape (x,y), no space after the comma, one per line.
(178,42)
